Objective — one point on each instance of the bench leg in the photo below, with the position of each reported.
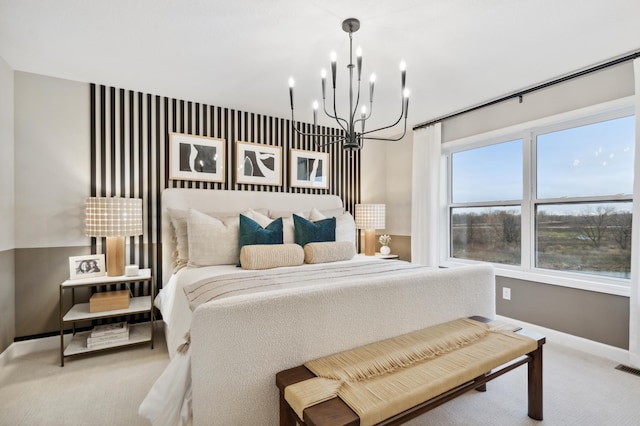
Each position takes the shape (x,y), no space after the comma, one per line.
(483,387)
(535,384)
(288,417)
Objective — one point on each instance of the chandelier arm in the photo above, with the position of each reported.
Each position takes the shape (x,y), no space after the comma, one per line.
(383,128)
(335,112)
(355,109)
(322,145)
(315,135)
(324,105)
(390,125)
(366,117)
(386,139)
(368,114)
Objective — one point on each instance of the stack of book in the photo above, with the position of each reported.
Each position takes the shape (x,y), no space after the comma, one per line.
(108,334)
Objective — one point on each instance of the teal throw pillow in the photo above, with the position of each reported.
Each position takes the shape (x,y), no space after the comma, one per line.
(320,231)
(252,233)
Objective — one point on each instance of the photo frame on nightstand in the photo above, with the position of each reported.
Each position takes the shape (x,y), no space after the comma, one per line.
(88,266)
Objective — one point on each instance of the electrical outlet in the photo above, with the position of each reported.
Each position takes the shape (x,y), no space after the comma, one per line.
(506,293)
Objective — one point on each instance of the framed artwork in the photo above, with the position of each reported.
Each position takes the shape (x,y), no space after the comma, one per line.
(86,266)
(309,169)
(258,164)
(198,158)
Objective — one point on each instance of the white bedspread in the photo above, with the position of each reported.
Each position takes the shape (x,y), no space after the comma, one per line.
(168,403)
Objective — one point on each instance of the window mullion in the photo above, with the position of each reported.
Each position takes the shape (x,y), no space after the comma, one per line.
(528,206)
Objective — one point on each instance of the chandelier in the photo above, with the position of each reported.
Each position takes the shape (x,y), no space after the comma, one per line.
(352,140)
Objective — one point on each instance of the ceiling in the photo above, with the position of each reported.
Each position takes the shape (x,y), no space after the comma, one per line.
(240,54)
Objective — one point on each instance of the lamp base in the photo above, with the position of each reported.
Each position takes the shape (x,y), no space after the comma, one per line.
(369,242)
(115,256)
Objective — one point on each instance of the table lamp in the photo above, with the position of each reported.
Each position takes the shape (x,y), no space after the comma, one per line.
(370,217)
(114,218)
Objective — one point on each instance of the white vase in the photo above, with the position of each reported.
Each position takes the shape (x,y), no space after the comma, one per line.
(385,250)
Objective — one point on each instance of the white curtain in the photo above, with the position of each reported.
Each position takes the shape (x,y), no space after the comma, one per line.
(634,301)
(425,200)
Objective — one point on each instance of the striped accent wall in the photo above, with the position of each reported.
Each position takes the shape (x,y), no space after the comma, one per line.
(130,148)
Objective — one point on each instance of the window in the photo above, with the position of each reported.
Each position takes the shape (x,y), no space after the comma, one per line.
(586,161)
(585,237)
(486,191)
(490,234)
(555,198)
(583,205)
(490,173)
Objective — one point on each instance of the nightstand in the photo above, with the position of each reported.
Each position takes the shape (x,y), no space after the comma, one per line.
(138,333)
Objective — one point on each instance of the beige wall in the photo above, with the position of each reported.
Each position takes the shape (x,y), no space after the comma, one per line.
(37,288)
(386,178)
(598,87)
(52,161)
(596,316)
(51,183)
(7,148)
(7,214)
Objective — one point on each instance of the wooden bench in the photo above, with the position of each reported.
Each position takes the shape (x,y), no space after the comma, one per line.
(335,412)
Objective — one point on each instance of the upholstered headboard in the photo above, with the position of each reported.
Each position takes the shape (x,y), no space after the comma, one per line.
(221,201)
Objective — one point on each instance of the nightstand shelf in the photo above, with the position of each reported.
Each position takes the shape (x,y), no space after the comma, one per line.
(138,333)
(79,312)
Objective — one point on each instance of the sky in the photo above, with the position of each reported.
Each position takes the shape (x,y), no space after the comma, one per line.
(591,160)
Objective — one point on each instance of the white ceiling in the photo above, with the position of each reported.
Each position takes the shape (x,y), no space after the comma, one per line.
(240,53)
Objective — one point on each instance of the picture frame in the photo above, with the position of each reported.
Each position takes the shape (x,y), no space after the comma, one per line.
(88,266)
(258,164)
(196,158)
(309,169)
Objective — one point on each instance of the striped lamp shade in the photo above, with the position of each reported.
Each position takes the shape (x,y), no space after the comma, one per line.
(370,216)
(113,217)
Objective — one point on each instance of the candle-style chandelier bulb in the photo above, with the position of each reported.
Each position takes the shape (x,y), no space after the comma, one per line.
(351,140)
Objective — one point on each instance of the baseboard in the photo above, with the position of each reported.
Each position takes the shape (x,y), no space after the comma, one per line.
(25,347)
(619,355)
(574,342)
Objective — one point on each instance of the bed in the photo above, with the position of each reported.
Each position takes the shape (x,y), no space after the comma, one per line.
(241,336)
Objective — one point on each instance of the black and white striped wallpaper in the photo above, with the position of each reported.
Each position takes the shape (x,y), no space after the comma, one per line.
(130,146)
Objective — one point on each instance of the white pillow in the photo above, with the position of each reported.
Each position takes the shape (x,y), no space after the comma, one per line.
(262,219)
(345,225)
(212,241)
(288,228)
(331,212)
(179,220)
(274,214)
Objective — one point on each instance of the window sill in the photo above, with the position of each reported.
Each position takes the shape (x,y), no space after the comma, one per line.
(618,287)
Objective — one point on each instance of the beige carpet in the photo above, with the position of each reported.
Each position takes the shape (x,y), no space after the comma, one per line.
(101,389)
(106,389)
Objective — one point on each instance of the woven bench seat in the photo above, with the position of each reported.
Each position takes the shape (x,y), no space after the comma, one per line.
(394,380)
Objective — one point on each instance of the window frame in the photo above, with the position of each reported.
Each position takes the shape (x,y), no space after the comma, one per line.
(528,132)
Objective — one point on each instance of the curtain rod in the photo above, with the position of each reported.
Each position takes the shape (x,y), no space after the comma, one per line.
(625,58)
